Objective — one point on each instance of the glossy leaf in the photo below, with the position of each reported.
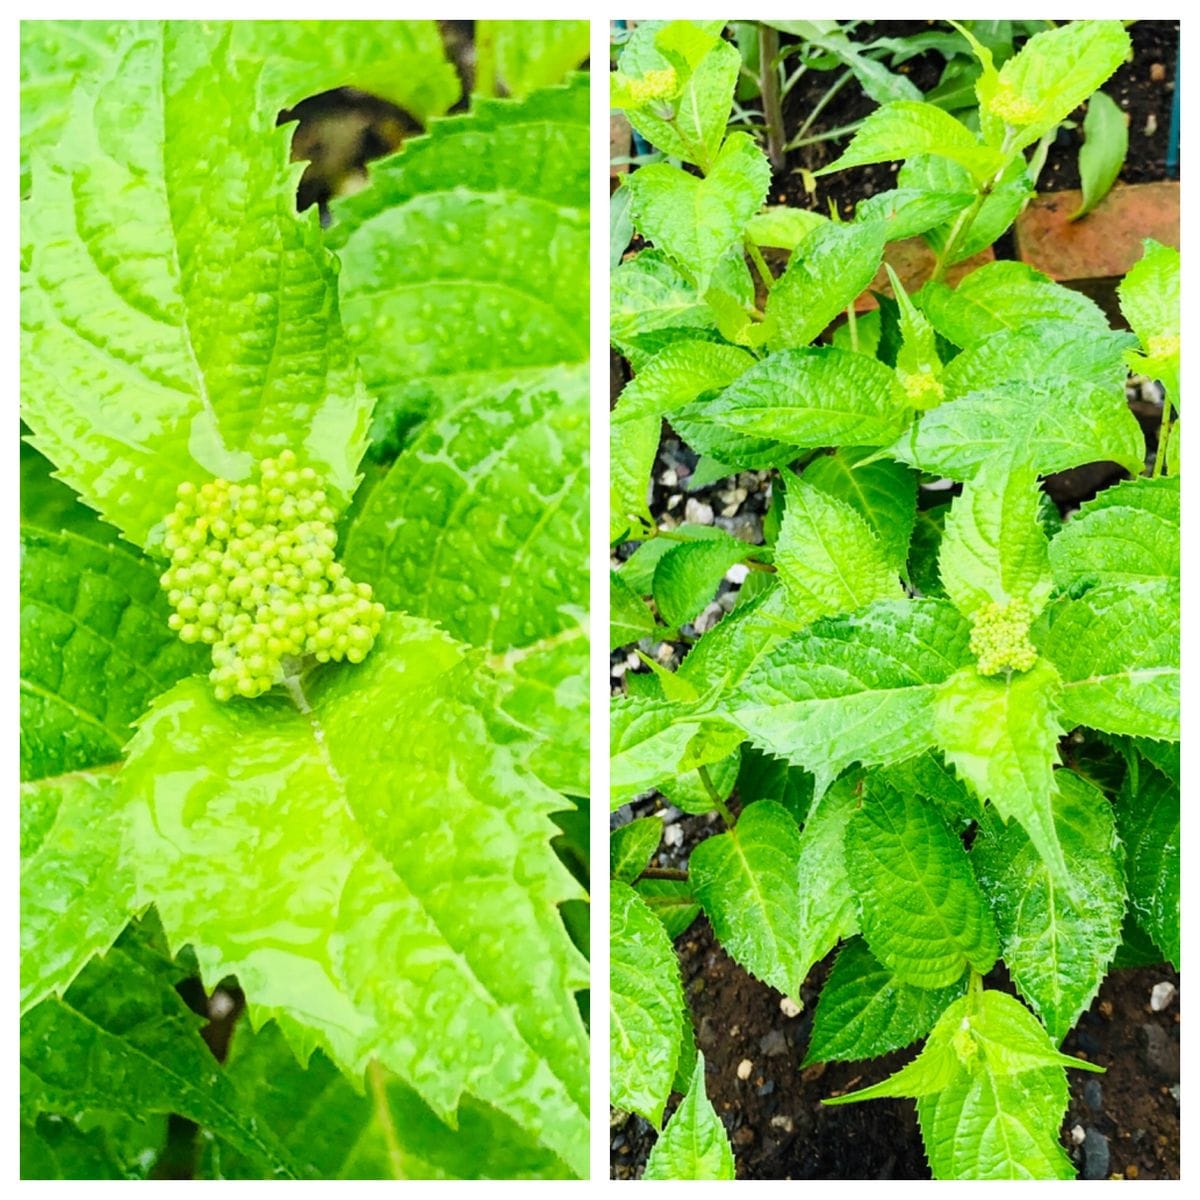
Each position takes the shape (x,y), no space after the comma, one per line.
(634,447)
(745,880)
(865,1010)
(631,847)
(647,1007)
(920,908)
(1148,816)
(76,894)
(828,559)
(694,1144)
(95,650)
(157,343)
(825,274)
(909,211)
(859,688)
(393,754)
(1127,534)
(629,618)
(334,1130)
(1057,943)
(1149,297)
(464,262)
(697,221)
(688,575)
(650,305)
(526,55)
(680,374)
(1117,650)
(1102,155)
(1001,735)
(672,902)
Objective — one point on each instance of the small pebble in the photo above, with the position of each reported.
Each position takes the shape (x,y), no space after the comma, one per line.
(1151,126)
(673,835)
(737,573)
(670,814)
(674,500)
(744,1068)
(669,478)
(1161,995)
(789,1008)
(743,1138)
(773,1043)
(782,1121)
(697,512)
(767,1088)
(1095,1155)
(708,618)
(1092,1095)
(1158,72)
(1077,1135)
(220,1005)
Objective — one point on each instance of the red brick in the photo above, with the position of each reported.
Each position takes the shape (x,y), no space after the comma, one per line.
(1105,243)
(913,262)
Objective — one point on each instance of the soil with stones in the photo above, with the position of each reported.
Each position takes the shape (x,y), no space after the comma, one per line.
(1144,88)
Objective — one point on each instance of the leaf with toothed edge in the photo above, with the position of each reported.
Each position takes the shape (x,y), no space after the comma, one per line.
(1148,822)
(434,852)
(694,1144)
(158,344)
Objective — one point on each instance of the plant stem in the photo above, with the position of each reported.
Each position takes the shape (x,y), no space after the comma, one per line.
(828,135)
(817,108)
(755,565)
(958,230)
(768,83)
(664,873)
(852,322)
(715,797)
(760,264)
(1164,440)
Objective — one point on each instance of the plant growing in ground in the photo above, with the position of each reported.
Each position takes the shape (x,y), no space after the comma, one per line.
(951,728)
(303,584)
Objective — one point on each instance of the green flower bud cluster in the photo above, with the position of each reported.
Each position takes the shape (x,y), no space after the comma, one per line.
(253,576)
(1000,637)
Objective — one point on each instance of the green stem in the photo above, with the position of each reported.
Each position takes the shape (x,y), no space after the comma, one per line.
(768,70)
(715,797)
(664,873)
(852,322)
(828,135)
(760,264)
(958,231)
(817,108)
(1164,440)
(485,59)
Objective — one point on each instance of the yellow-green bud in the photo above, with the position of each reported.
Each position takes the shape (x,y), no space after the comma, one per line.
(1000,637)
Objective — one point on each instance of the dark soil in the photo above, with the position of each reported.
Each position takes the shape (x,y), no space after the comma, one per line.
(1136,86)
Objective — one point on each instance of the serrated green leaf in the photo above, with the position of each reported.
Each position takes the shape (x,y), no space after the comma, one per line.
(827,912)
(694,1144)
(688,575)
(1039,352)
(157,342)
(920,908)
(333,1130)
(54,1148)
(782,226)
(865,1010)
(633,449)
(1117,650)
(1128,534)
(1102,155)
(991,1092)
(700,99)
(1057,947)
(909,211)
(906,128)
(631,847)
(525,55)
(825,274)
(1149,296)
(49,505)
(1001,735)
(487,490)
(647,1007)
(1148,822)
(697,221)
(678,375)
(95,649)
(828,558)
(671,901)
(746,882)
(435,843)
(647,742)
(544,692)
(851,689)
(811,398)
(927,775)
(1054,72)
(629,618)
(883,493)
(76,895)
(1004,296)
(763,777)
(121,1040)
(1055,423)
(651,304)
(993,547)
(922,573)
(464,263)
